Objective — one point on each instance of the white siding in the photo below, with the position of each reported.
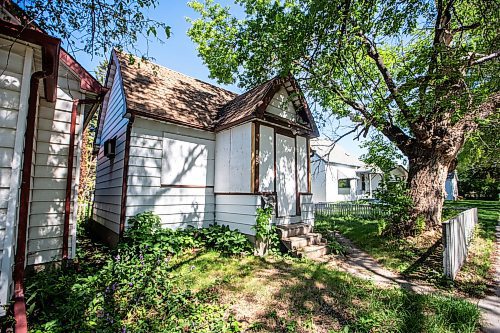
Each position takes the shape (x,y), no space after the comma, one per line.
(171,170)
(237,211)
(302,159)
(233,161)
(51,171)
(14,90)
(266,159)
(286,184)
(109,171)
(281,106)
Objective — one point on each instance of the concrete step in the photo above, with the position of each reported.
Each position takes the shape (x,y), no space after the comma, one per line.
(297,242)
(313,251)
(293,230)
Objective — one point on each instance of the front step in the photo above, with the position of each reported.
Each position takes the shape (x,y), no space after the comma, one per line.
(313,251)
(300,241)
(292,230)
(297,242)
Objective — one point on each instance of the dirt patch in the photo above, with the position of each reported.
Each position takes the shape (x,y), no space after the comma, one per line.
(280,300)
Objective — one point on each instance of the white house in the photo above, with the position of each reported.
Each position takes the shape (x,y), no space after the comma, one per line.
(339,176)
(46,99)
(196,154)
(451,186)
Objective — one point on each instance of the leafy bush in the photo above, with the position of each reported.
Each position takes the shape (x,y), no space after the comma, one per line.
(221,238)
(134,288)
(394,198)
(265,231)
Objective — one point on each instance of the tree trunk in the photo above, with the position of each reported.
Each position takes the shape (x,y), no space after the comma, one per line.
(426,180)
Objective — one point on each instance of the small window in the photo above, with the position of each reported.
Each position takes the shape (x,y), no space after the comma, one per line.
(344,183)
(363,184)
(110,147)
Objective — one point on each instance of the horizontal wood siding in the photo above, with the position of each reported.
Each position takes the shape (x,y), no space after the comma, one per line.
(109,171)
(171,172)
(237,211)
(48,195)
(16,62)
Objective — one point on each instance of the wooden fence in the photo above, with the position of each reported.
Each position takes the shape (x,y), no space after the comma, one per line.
(457,235)
(340,209)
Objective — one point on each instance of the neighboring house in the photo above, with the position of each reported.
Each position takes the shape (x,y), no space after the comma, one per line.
(451,186)
(196,154)
(46,99)
(340,176)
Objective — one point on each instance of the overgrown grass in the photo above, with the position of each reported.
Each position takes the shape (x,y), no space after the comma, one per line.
(201,290)
(402,255)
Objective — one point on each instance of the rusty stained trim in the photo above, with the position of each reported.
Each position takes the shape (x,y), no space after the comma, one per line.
(69,180)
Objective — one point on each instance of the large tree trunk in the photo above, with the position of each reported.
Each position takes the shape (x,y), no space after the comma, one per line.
(426,180)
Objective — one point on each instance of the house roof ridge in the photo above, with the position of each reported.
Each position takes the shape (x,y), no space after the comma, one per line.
(176,71)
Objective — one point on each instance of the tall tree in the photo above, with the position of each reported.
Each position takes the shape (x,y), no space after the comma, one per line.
(419,71)
(94,26)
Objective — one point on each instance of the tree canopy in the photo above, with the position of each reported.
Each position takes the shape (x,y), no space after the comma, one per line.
(419,71)
(95,26)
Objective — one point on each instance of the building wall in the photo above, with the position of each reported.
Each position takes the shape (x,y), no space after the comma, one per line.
(324,182)
(46,221)
(281,106)
(109,171)
(14,91)
(233,160)
(171,172)
(49,161)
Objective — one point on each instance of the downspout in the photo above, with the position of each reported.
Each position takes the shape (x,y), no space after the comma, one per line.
(69,179)
(24,200)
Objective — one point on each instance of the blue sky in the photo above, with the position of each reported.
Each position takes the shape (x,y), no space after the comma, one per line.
(179,53)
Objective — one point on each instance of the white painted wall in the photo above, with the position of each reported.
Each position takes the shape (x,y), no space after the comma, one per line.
(281,106)
(324,182)
(233,159)
(14,91)
(286,185)
(109,171)
(302,167)
(266,159)
(237,211)
(171,172)
(48,195)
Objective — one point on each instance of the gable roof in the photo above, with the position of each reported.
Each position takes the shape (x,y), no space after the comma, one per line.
(331,152)
(157,92)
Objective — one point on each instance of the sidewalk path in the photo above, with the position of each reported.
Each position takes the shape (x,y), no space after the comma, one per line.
(490,305)
(361,264)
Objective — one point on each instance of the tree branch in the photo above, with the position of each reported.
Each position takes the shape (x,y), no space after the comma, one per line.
(484,110)
(485,58)
(465,28)
(391,85)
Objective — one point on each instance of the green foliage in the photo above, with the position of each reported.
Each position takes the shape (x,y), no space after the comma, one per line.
(420,72)
(228,242)
(479,161)
(265,231)
(134,290)
(394,197)
(381,153)
(95,26)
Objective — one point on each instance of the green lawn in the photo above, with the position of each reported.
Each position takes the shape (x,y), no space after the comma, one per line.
(401,255)
(208,292)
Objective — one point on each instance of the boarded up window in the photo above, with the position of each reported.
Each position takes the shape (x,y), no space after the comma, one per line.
(184,161)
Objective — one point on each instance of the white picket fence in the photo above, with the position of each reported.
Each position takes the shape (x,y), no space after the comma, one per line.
(342,209)
(457,235)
